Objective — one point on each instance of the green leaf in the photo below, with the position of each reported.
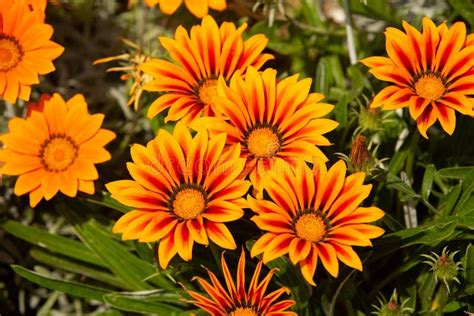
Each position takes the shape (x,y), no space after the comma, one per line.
(129,304)
(465,204)
(66,264)
(54,243)
(68,287)
(455,172)
(324,79)
(464,8)
(427,183)
(394,182)
(375,9)
(340,111)
(116,256)
(468,264)
(174,297)
(448,201)
(109,202)
(357,81)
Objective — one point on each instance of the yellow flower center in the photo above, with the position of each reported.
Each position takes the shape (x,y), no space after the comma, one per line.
(188,203)
(58,153)
(263,142)
(207,92)
(11,52)
(243,311)
(310,227)
(430,87)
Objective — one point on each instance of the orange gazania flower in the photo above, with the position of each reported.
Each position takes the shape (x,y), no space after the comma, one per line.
(37,4)
(25,49)
(432,73)
(198,8)
(184,190)
(55,149)
(272,120)
(201,58)
(314,214)
(238,300)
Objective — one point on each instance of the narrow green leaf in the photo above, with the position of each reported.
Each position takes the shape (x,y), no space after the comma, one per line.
(109,202)
(427,183)
(174,297)
(54,243)
(394,182)
(357,82)
(468,264)
(448,201)
(139,306)
(324,79)
(341,112)
(128,267)
(66,264)
(455,172)
(68,287)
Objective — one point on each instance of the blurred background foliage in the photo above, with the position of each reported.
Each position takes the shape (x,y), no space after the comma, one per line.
(62,259)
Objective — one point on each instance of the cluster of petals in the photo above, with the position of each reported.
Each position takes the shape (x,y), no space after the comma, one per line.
(55,148)
(431,73)
(198,8)
(26,49)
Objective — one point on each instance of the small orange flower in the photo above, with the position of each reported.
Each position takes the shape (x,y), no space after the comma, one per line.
(432,73)
(272,120)
(55,149)
(198,8)
(37,4)
(238,300)
(26,50)
(184,190)
(314,215)
(208,53)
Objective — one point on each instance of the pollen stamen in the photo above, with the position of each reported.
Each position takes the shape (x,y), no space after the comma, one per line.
(263,142)
(243,311)
(188,203)
(11,52)
(207,92)
(430,86)
(58,153)
(310,227)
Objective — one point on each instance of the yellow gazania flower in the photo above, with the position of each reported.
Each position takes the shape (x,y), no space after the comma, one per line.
(314,214)
(238,300)
(431,73)
(198,8)
(55,149)
(272,120)
(25,49)
(184,190)
(201,58)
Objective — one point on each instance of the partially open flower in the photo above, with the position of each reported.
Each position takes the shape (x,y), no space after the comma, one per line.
(393,307)
(444,267)
(239,299)
(130,66)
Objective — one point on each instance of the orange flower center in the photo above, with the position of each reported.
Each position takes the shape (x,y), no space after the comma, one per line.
(188,203)
(207,91)
(310,227)
(263,142)
(243,311)
(58,153)
(11,52)
(430,87)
